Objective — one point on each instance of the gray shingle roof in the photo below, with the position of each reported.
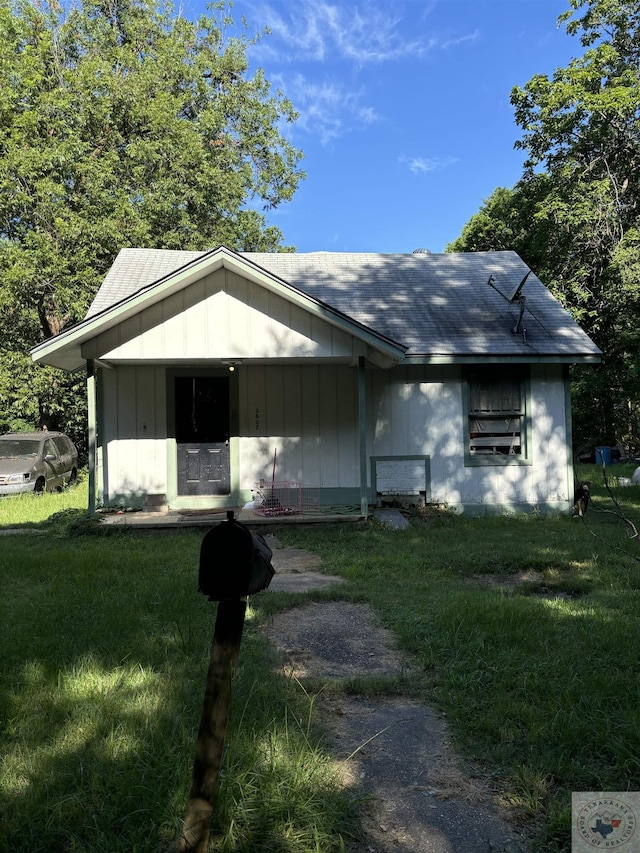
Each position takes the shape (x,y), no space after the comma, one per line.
(434,304)
(134,269)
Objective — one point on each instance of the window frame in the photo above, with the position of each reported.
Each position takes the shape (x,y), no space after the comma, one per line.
(496,372)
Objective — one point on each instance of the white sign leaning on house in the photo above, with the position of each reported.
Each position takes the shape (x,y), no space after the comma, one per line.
(400,476)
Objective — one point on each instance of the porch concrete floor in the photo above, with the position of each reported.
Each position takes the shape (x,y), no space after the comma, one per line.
(207,518)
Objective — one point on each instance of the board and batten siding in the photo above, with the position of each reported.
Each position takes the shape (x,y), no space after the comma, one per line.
(306,410)
(307,415)
(418,411)
(223,316)
(132,434)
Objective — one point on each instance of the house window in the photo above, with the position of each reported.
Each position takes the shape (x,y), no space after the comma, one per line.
(497,417)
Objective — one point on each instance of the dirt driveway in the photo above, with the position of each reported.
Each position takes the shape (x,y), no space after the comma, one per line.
(422,799)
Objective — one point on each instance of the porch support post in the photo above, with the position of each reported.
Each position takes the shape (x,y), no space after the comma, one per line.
(362,424)
(92,420)
(566,378)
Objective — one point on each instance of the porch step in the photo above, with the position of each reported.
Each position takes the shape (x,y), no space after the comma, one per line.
(155,503)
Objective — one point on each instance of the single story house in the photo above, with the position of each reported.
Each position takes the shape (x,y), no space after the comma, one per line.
(358,376)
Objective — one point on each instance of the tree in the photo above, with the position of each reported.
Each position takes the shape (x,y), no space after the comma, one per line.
(581,133)
(507,221)
(121,124)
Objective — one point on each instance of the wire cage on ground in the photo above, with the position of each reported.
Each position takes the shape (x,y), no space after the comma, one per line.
(284,498)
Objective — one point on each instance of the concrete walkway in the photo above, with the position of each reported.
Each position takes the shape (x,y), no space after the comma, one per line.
(423,799)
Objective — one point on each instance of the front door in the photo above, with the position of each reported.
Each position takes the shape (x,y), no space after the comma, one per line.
(202,434)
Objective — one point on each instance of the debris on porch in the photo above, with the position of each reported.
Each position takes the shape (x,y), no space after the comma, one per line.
(205,518)
(285,498)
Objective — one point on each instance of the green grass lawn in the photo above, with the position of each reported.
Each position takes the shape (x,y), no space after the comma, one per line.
(30,509)
(524,631)
(105,646)
(539,679)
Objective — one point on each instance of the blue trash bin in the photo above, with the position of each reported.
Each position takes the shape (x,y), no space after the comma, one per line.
(603,455)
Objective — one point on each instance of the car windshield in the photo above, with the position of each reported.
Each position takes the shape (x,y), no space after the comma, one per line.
(12,448)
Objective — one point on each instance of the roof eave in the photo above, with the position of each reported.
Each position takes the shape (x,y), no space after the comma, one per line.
(497,358)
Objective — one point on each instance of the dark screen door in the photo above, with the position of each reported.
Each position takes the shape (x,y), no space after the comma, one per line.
(202,434)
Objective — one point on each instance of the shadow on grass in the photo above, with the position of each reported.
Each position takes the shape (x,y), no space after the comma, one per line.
(101,690)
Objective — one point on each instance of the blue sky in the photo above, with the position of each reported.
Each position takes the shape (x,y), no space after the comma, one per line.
(405,120)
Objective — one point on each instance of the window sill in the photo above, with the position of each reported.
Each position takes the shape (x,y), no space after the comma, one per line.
(497,460)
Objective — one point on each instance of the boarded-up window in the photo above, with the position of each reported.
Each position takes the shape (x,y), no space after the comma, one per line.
(496,414)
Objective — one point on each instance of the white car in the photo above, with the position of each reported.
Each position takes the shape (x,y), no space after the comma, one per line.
(36,462)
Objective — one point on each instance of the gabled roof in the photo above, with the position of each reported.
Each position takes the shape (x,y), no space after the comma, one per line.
(140,279)
(429,307)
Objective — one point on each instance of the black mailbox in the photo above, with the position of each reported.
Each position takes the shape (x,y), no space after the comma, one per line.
(234,562)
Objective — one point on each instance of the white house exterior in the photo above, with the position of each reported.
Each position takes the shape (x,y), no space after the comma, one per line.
(443,377)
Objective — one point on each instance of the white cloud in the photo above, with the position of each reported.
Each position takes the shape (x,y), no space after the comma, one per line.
(422,165)
(344,37)
(327,109)
(368,115)
(454,42)
(362,33)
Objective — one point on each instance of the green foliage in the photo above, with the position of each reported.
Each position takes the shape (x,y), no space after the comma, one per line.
(121,124)
(77,522)
(577,222)
(507,221)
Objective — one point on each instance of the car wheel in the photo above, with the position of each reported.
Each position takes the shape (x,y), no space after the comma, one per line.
(39,486)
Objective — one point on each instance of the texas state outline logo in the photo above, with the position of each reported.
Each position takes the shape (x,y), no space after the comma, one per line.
(604,820)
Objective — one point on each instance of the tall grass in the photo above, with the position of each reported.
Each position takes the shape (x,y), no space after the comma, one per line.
(30,509)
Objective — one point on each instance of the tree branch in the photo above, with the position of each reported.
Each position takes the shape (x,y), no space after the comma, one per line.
(632,530)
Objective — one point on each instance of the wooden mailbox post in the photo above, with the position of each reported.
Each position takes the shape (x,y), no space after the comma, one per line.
(234,563)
